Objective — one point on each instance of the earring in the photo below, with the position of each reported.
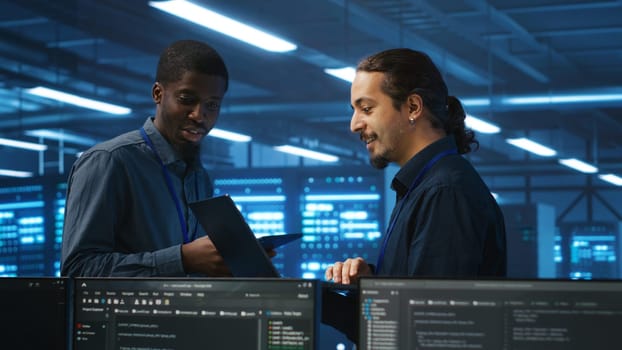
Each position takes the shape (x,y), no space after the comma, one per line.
(411,121)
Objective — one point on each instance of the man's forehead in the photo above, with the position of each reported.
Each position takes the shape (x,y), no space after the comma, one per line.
(366,87)
(200,84)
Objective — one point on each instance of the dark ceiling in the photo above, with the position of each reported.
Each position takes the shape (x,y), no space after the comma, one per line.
(493,50)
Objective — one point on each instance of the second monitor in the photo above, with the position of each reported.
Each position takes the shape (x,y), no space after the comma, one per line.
(195,314)
(489,314)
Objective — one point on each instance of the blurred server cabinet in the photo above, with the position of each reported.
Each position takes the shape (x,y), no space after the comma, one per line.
(339,211)
(530,230)
(590,250)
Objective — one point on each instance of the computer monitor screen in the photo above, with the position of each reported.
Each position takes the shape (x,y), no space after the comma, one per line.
(195,314)
(33,313)
(504,314)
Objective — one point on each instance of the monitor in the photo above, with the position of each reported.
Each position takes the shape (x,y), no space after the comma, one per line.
(33,312)
(488,314)
(224,313)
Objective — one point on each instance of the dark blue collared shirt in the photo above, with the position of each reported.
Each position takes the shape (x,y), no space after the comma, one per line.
(120,218)
(449,225)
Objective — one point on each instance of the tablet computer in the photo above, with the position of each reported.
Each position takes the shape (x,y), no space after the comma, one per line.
(244,254)
(274,241)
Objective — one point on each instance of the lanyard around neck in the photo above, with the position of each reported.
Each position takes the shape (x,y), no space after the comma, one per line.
(414,184)
(169,184)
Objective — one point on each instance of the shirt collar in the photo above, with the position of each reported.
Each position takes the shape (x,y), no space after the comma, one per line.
(164,149)
(407,174)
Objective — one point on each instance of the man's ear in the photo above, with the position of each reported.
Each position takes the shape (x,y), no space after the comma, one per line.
(415,105)
(156,92)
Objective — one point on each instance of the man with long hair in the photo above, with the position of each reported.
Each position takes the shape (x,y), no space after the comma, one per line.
(445,222)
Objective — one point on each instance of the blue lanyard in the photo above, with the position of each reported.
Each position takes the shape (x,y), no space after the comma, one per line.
(414,184)
(169,183)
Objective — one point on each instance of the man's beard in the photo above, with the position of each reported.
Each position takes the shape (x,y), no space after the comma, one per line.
(379,162)
(189,152)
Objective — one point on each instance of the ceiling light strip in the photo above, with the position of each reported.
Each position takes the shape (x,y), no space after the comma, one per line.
(23,145)
(558,99)
(481,125)
(532,146)
(228,135)
(302,152)
(15,173)
(78,100)
(345,73)
(611,178)
(222,24)
(579,165)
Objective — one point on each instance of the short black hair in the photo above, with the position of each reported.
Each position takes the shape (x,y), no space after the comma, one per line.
(190,56)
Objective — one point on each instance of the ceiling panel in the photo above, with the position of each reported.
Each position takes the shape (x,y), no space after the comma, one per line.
(492,50)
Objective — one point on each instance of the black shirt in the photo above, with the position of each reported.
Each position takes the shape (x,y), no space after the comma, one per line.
(449,224)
